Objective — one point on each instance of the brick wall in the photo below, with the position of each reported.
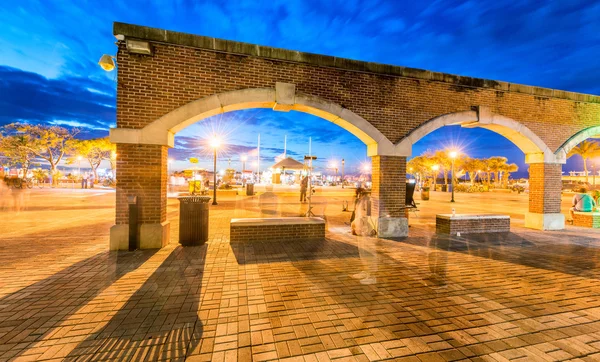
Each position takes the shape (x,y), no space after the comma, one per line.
(142,172)
(389,186)
(545,184)
(280,232)
(453,226)
(151,86)
(590,220)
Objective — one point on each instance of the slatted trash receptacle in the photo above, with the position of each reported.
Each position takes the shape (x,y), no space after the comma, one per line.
(249,189)
(193,220)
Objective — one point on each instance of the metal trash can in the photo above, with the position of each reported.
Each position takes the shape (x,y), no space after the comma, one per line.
(249,189)
(425,193)
(193,220)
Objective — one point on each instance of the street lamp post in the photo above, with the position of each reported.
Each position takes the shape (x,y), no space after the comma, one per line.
(244,159)
(343,163)
(215,143)
(452,155)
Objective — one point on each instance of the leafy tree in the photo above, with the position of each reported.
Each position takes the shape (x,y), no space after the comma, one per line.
(471,166)
(586,149)
(50,143)
(506,170)
(15,148)
(495,164)
(442,159)
(94,151)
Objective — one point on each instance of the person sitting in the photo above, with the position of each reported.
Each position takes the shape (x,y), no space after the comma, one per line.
(582,202)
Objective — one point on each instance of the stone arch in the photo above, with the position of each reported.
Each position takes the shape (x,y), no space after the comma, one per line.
(163,130)
(532,145)
(565,148)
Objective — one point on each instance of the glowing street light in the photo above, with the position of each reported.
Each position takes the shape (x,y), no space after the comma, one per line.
(215,143)
(452,155)
(334,166)
(244,158)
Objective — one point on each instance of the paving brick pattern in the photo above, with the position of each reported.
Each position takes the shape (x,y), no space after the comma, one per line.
(523,296)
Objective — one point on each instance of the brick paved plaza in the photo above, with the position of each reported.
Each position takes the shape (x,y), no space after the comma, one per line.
(525,296)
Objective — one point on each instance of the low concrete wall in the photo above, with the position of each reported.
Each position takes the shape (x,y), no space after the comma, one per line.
(276,229)
(471,224)
(587,219)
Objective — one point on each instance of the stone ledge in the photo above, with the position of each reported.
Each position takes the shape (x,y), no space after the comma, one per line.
(277,221)
(472,216)
(227,46)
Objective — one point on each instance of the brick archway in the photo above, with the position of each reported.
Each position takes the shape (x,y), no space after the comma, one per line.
(591,132)
(534,148)
(281,98)
(167,80)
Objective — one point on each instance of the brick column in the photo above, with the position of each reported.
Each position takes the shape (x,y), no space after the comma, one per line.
(544,197)
(388,195)
(141,172)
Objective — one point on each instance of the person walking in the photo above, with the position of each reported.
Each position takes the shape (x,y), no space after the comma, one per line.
(582,202)
(91,180)
(303,188)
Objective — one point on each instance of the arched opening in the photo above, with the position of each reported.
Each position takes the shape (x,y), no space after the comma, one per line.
(541,206)
(162,130)
(583,158)
(159,136)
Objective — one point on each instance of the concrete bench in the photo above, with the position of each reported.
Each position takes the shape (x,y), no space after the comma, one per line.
(587,219)
(276,229)
(471,224)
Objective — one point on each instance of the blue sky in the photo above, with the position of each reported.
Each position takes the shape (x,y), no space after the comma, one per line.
(49,52)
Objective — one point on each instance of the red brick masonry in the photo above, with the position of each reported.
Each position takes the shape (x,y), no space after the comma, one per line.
(587,219)
(471,224)
(276,229)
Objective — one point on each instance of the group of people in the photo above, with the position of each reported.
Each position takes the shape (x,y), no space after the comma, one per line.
(87,179)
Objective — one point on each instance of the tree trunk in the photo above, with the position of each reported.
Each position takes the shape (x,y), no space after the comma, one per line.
(585,168)
(54,174)
(472,177)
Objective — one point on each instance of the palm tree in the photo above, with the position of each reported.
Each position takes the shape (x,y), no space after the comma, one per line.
(586,149)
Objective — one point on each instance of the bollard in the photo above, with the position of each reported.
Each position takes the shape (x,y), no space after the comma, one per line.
(133,222)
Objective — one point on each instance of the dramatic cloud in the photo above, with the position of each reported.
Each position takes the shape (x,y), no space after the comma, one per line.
(66,101)
(50,50)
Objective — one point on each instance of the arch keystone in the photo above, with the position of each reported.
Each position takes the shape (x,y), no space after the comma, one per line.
(285,96)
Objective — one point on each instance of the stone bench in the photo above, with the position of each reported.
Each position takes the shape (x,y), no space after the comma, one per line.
(471,223)
(276,229)
(587,219)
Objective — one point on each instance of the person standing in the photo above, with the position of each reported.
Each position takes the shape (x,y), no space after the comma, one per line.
(84,181)
(303,188)
(91,180)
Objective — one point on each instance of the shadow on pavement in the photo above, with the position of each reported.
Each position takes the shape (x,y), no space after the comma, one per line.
(580,258)
(160,320)
(38,311)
